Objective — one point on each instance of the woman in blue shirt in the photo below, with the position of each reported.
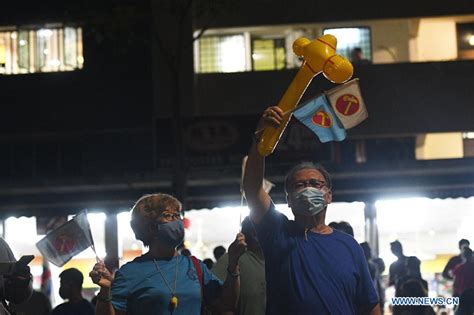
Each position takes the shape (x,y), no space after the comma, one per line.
(162,281)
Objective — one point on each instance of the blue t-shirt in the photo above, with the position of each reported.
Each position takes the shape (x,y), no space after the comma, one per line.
(138,287)
(316,274)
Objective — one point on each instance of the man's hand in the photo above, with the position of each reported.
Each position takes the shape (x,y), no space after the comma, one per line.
(101,276)
(272,116)
(236,249)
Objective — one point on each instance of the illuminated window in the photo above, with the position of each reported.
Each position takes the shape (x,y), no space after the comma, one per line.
(349,38)
(268,54)
(223,54)
(442,145)
(50,49)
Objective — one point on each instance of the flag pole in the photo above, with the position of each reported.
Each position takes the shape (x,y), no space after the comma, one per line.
(244,162)
(92,239)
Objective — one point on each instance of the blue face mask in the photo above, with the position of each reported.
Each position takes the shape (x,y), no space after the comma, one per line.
(170,233)
(308,201)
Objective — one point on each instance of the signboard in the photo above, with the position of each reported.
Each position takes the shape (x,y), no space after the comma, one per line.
(224,141)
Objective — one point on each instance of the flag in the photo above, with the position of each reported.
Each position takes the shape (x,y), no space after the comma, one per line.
(347,102)
(68,240)
(318,116)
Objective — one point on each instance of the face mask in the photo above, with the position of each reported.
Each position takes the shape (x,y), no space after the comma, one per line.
(171,233)
(309,201)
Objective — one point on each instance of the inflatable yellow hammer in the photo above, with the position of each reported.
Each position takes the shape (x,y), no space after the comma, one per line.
(319,56)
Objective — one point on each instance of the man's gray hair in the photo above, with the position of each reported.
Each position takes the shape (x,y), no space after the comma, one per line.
(307,165)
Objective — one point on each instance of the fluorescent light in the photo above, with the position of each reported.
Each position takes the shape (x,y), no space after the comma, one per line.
(346,37)
(45,33)
(256,56)
(468,135)
(471,40)
(232,52)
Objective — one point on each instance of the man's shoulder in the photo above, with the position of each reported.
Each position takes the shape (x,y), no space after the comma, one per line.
(455,260)
(86,305)
(271,215)
(397,263)
(61,309)
(345,238)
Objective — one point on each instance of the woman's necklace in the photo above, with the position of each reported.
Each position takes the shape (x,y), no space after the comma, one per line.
(174,300)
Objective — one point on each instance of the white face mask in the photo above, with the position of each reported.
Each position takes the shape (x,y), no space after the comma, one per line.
(309,201)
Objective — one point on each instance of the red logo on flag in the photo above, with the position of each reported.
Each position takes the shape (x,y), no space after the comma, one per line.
(187,223)
(64,243)
(322,119)
(347,104)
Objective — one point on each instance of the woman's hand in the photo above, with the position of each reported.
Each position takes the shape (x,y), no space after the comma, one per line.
(101,276)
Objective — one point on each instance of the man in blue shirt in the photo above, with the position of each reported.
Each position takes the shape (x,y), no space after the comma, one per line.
(310,268)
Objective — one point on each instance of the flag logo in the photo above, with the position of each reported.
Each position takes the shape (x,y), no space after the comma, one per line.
(322,119)
(347,104)
(64,243)
(318,115)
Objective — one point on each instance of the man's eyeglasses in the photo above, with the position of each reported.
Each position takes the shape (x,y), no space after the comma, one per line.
(309,183)
(168,216)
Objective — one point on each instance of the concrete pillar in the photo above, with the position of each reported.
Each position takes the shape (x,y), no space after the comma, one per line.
(111,242)
(371,228)
(173,78)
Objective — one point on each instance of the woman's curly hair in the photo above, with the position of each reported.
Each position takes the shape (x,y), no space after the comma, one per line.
(151,206)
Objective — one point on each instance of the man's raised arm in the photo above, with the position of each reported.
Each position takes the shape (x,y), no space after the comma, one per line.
(257,199)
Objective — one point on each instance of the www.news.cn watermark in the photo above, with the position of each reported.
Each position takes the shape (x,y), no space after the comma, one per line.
(425,301)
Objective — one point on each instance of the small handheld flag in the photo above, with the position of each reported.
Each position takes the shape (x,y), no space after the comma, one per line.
(330,114)
(68,240)
(347,102)
(318,116)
